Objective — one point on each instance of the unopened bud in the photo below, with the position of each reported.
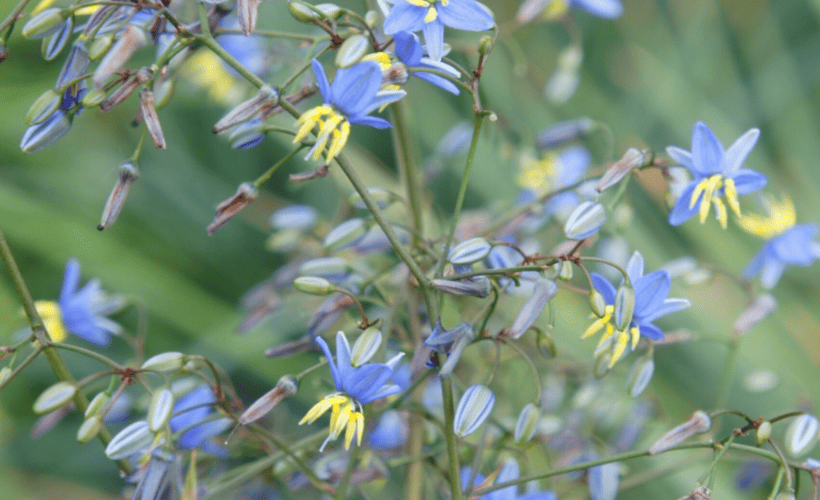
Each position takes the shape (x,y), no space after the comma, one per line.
(131,40)
(44,23)
(226,210)
(371,18)
(469,252)
(265,99)
(286,386)
(785,495)
(333,269)
(45,133)
(163,91)
(75,66)
(346,233)
(473,409)
(97,404)
(764,432)
(624,306)
(126,89)
(527,423)
(159,410)
(597,303)
(166,362)
(801,434)
(485,45)
(55,397)
(603,364)
(564,132)
(89,429)
(5,373)
(302,12)
(99,47)
(633,159)
(762,307)
(149,116)
(585,220)
(382,197)
(543,291)
(477,286)
(352,50)
(564,270)
(133,439)
(330,10)
(365,346)
(44,106)
(640,375)
(54,43)
(545,344)
(457,349)
(93,98)
(698,423)
(314,285)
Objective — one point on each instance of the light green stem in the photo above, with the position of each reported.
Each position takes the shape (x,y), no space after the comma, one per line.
(406,161)
(450,437)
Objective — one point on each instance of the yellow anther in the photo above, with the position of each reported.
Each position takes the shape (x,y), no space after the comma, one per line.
(782,217)
(556,10)
(620,348)
(731,196)
(419,3)
(381,58)
(712,184)
(595,327)
(537,174)
(636,336)
(720,212)
(320,408)
(444,3)
(49,312)
(431,15)
(340,136)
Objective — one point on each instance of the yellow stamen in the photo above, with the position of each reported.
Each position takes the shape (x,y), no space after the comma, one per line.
(419,3)
(731,196)
(782,216)
(721,212)
(537,174)
(636,336)
(431,16)
(382,58)
(339,140)
(596,326)
(620,348)
(52,319)
(344,417)
(556,10)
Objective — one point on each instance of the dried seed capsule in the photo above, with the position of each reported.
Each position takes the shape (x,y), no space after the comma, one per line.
(698,423)
(286,386)
(227,209)
(129,172)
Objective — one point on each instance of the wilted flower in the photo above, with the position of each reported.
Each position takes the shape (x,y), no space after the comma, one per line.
(356,386)
(698,423)
(717,175)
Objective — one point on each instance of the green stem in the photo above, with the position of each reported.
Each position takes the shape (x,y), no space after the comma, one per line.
(728,371)
(272,34)
(450,436)
(20,367)
(12,18)
(408,170)
(230,60)
(88,352)
(702,479)
(353,456)
(306,470)
(267,175)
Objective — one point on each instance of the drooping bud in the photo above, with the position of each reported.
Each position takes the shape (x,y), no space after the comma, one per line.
(302,12)
(265,99)
(129,172)
(762,307)
(44,106)
(97,404)
(54,43)
(314,285)
(45,133)
(764,432)
(371,18)
(473,409)
(99,47)
(159,410)
(603,364)
(328,313)
(801,435)
(54,397)
(126,89)
(543,291)
(563,83)
(365,346)
(527,423)
(149,116)
(247,135)
(633,159)
(469,252)
(226,210)
(163,91)
(286,386)
(597,303)
(477,286)
(133,439)
(5,373)
(352,50)
(166,362)
(131,40)
(639,376)
(585,220)
(44,23)
(624,306)
(89,429)
(346,233)
(698,423)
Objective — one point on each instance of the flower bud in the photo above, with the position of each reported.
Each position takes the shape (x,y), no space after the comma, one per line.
(469,252)
(565,270)
(485,45)
(801,435)
(163,91)
(227,209)
(45,133)
(247,13)
(75,66)
(54,43)
(464,339)
(477,286)
(265,99)
(99,47)
(624,306)
(300,217)
(762,307)
(564,132)
(785,495)
(129,172)
(133,439)
(365,346)
(764,432)
(698,423)
(585,220)
(97,404)
(286,386)
(346,233)
(473,409)
(330,10)
(89,429)
(382,197)
(562,85)
(603,364)
(545,344)
(149,116)
(371,18)
(333,269)
(639,376)
(527,423)
(166,362)
(352,50)
(633,159)
(302,12)
(604,481)
(247,135)
(44,106)
(543,291)
(55,397)
(597,303)
(93,98)
(159,410)
(314,285)
(44,23)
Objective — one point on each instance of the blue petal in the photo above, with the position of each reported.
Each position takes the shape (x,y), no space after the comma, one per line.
(467,15)
(538,495)
(681,156)
(383,98)
(650,292)
(343,363)
(739,150)
(371,121)
(337,381)
(71,279)
(609,9)
(385,391)
(439,82)
(197,437)
(681,212)
(669,306)
(748,181)
(707,151)
(466,472)
(509,472)
(574,163)
(771,272)
(364,382)
(756,264)
(794,246)
(650,331)
(353,88)
(434,38)
(408,48)
(404,17)
(321,80)
(634,267)
(605,287)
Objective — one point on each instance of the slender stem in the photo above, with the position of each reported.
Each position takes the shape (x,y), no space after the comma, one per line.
(450,436)
(609,263)
(88,352)
(784,463)
(723,450)
(230,60)
(306,470)
(728,371)
(353,456)
(406,161)
(21,366)
(204,25)
(272,34)
(12,17)
(462,191)
(267,175)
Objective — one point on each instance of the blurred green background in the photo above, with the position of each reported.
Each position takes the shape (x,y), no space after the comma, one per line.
(650,75)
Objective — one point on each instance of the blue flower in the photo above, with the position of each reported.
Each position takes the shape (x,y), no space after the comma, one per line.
(410,51)
(352,96)
(554,9)
(431,16)
(390,432)
(356,386)
(786,242)
(651,302)
(509,472)
(717,175)
(193,417)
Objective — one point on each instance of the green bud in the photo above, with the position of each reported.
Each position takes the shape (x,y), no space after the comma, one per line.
(346,233)
(527,423)
(565,271)
(785,496)
(485,45)
(764,432)
(314,285)
(545,344)
(597,303)
(5,373)
(54,43)
(159,411)
(94,98)
(133,439)
(640,375)
(89,429)
(43,107)
(163,93)
(100,46)
(330,10)
(97,404)
(470,251)
(365,346)
(166,362)
(283,241)
(371,18)
(55,397)
(302,12)
(381,196)
(585,221)
(602,365)
(473,409)
(44,23)
(624,306)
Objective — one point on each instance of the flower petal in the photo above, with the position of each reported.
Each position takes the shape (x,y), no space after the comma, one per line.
(321,80)
(757,261)
(682,212)
(439,82)
(748,181)
(337,381)
(707,151)
(404,17)
(651,331)
(681,156)
(371,121)
(609,9)
(739,150)
(669,306)
(650,292)
(353,88)
(71,279)
(467,15)
(771,272)
(408,48)
(605,287)
(634,268)
(434,39)
(383,98)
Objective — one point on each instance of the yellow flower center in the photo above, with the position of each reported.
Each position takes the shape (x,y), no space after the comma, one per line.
(621,340)
(345,416)
(49,312)
(536,174)
(782,217)
(331,123)
(432,13)
(710,188)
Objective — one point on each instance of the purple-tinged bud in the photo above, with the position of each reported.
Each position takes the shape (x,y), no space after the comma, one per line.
(166,362)
(129,441)
(473,409)
(639,376)
(764,432)
(44,23)
(477,286)
(159,410)
(352,50)
(527,423)
(699,493)
(247,135)
(75,66)
(247,12)
(45,133)
(585,220)
(130,40)
(54,43)
(564,132)
(604,481)
(44,107)
(89,429)
(543,291)
(314,285)
(633,159)
(56,396)
(265,99)
(801,435)
(99,47)
(624,306)
(149,116)
(129,172)
(698,423)
(465,338)
(287,386)
(762,307)
(469,252)
(226,210)
(126,89)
